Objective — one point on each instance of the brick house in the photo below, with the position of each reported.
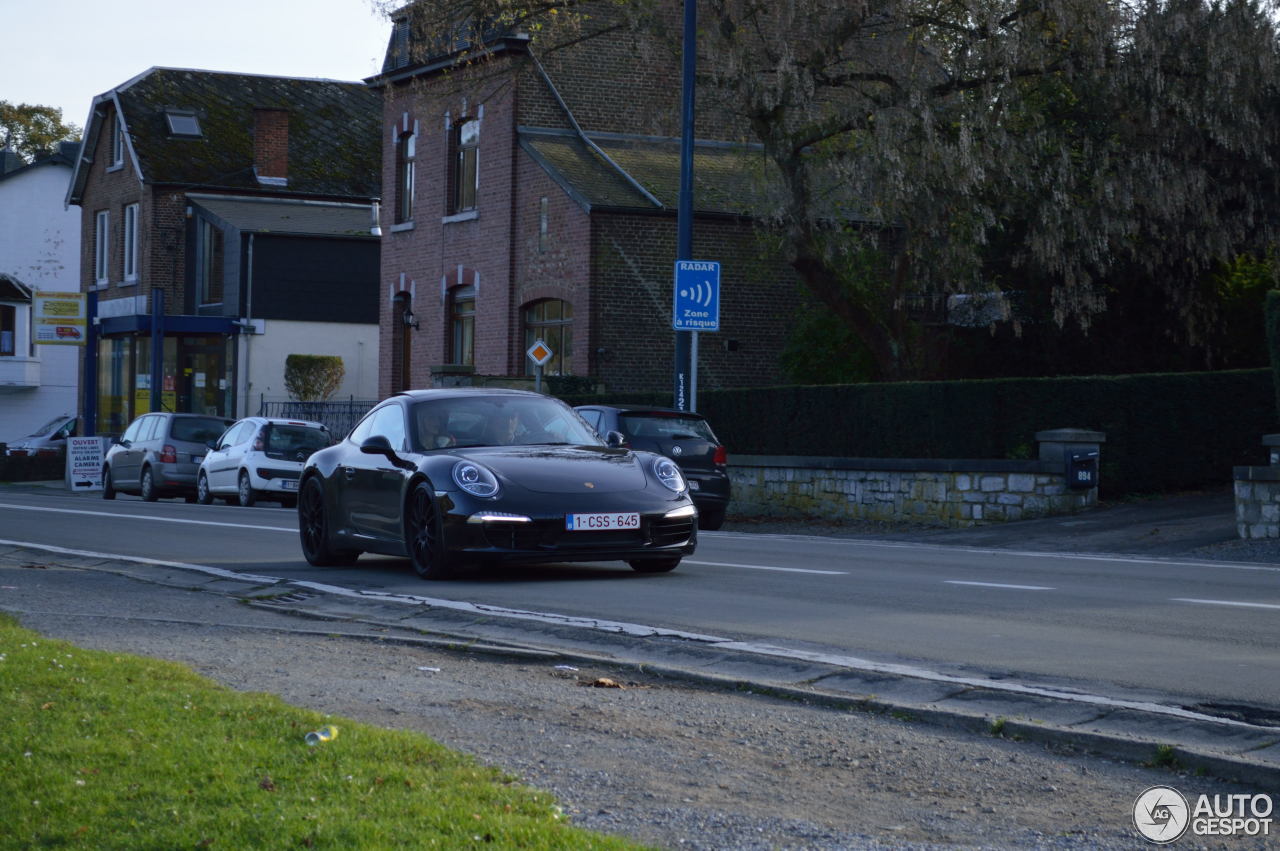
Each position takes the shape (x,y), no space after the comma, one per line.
(225,223)
(530,197)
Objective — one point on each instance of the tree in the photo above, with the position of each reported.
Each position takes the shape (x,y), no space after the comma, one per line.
(31,130)
(313,378)
(1045,145)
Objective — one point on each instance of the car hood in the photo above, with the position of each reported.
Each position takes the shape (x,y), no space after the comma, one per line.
(563,469)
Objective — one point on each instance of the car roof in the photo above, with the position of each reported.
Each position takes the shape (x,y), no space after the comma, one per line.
(465,392)
(627,408)
(283,421)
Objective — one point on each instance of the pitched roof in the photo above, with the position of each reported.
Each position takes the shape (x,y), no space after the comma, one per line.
(334,138)
(288,215)
(11,289)
(608,170)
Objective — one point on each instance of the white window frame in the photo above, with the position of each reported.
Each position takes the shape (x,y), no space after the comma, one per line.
(130,245)
(117,143)
(101,247)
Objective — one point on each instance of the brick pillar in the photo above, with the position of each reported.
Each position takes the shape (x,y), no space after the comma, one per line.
(271,143)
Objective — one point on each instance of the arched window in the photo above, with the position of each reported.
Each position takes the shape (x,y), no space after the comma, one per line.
(462,325)
(406,152)
(464,147)
(551,320)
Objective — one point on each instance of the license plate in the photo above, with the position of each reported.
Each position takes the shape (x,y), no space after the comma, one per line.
(693,484)
(289,485)
(196,459)
(598,522)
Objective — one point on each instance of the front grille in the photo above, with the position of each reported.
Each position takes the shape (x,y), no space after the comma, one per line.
(667,533)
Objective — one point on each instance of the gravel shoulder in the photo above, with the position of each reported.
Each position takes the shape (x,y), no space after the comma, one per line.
(664,762)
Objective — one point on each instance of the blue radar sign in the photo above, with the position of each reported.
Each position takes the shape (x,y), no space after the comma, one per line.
(696,302)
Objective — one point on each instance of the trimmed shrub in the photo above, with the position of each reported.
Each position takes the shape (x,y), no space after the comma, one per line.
(1165,431)
(313,378)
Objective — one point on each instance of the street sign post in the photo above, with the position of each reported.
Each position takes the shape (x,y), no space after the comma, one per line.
(695,306)
(539,353)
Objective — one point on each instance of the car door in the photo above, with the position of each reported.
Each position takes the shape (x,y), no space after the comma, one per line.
(219,465)
(373,484)
(126,464)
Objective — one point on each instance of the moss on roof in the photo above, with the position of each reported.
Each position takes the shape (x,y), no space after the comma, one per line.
(334,138)
(726,178)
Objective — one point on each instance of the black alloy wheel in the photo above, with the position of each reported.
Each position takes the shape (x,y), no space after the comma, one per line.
(203,496)
(247,496)
(313,529)
(148,487)
(108,489)
(424,534)
(655,565)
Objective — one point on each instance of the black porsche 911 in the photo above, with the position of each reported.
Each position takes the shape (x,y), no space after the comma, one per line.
(451,477)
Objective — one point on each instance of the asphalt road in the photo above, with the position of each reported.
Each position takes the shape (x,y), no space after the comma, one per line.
(1170,630)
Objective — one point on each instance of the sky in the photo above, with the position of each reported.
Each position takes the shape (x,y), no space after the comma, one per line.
(65,53)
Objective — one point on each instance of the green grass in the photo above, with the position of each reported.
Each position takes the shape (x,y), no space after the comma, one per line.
(106,750)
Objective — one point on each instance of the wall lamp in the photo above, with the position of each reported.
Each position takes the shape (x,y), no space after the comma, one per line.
(410,321)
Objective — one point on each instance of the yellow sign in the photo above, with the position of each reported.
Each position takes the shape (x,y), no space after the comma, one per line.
(59,319)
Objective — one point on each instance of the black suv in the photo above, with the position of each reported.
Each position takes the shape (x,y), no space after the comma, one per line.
(684,437)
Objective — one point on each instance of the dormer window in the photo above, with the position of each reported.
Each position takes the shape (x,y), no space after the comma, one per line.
(182,123)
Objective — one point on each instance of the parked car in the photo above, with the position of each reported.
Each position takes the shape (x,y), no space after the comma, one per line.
(259,458)
(446,477)
(49,439)
(684,437)
(159,455)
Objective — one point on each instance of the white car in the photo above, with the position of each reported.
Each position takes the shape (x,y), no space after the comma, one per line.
(259,458)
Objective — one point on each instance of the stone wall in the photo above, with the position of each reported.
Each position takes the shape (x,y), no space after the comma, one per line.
(949,493)
(1257,491)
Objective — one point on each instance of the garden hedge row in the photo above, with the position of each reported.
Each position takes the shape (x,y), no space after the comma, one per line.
(1165,432)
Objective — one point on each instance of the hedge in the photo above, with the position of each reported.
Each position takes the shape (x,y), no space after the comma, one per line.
(1165,432)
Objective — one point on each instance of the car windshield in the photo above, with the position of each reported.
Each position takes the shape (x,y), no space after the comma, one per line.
(291,438)
(665,426)
(48,427)
(497,421)
(197,429)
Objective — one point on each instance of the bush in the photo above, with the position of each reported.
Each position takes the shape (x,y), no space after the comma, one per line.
(313,378)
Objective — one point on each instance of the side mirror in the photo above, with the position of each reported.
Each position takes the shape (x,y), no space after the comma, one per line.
(125,443)
(379,445)
(616,439)
(212,444)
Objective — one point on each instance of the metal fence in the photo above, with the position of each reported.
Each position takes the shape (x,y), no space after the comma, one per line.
(339,416)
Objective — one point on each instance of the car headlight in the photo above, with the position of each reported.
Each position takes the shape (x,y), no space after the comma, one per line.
(474,479)
(669,474)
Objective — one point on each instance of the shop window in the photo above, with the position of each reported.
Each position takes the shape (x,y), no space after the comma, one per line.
(464,145)
(406,155)
(462,325)
(551,320)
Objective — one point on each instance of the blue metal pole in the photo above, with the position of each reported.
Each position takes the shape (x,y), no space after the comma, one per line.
(684,216)
(90,383)
(157,349)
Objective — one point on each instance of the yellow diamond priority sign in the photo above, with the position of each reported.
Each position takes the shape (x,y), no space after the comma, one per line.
(540,353)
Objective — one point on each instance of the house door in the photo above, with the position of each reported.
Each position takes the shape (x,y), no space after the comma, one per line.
(401,344)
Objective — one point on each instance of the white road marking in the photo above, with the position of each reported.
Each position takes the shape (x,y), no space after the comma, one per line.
(766,567)
(220,572)
(1226,603)
(999,585)
(155,519)
(641,630)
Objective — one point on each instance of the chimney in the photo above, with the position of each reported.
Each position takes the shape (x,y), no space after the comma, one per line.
(271,145)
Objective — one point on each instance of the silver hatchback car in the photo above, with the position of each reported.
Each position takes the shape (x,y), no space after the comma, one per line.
(159,455)
(259,458)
